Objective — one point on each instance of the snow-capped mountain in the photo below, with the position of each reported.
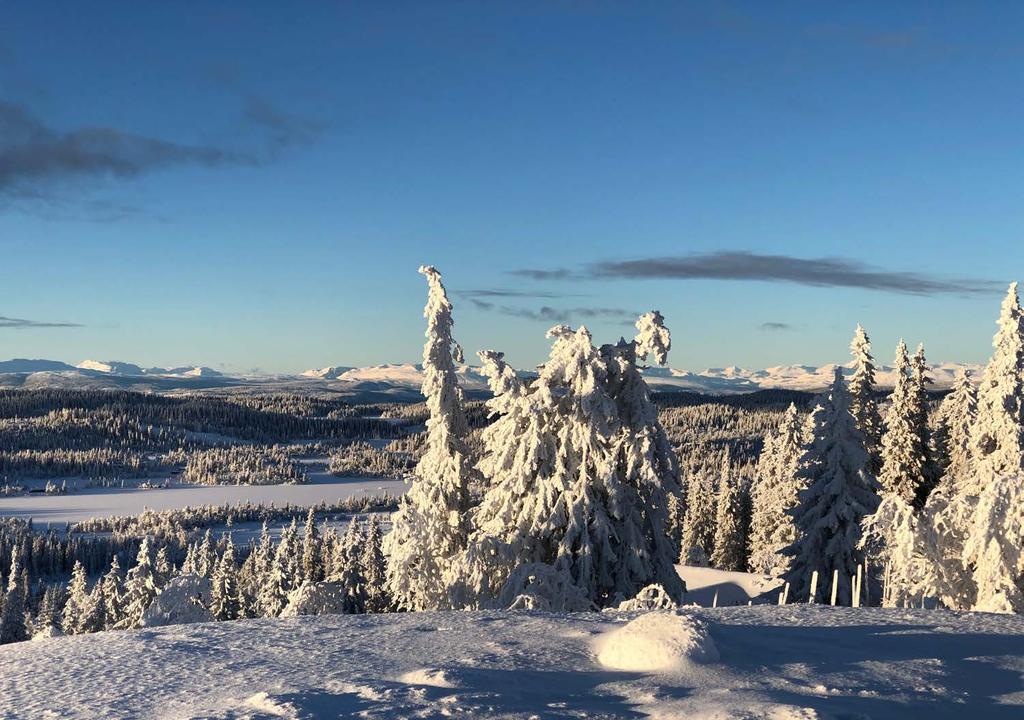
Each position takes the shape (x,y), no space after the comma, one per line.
(22,365)
(332,372)
(111,367)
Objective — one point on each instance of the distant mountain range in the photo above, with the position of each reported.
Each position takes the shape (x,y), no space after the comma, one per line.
(401,382)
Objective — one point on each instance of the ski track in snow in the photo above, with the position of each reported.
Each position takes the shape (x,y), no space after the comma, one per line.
(107,502)
(775,662)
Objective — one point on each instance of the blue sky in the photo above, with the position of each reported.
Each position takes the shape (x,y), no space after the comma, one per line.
(253,185)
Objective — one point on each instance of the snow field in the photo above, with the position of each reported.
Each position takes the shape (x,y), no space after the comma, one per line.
(657,641)
(774,662)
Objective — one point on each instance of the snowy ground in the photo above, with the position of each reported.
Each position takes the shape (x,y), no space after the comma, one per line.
(731,588)
(761,662)
(106,502)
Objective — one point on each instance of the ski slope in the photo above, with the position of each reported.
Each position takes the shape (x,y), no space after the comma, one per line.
(737,662)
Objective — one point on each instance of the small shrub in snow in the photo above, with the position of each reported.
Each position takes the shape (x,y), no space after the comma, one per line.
(652,597)
(536,586)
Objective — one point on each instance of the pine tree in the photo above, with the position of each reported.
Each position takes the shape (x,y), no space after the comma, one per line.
(12,617)
(998,443)
(774,494)
(312,570)
(350,570)
(919,402)
(993,548)
(73,616)
(374,569)
(224,601)
(903,456)
(430,528)
(839,493)
(96,609)
(957,417)
(163,571)
(279,580)
(699,522)
(862,398)
(140,587)
(113,594)
(729,539)
(676,519)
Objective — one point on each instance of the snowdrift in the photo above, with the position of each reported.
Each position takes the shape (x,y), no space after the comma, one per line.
(657,641)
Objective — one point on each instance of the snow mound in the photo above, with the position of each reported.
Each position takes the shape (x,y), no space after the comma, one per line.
(185,600)
(322,598)
(652,597)
(431,677)
(657,642)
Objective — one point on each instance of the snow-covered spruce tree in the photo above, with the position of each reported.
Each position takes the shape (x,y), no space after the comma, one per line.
(647,463)
(430,528)
(574,467)
(676,518)
(163,571)
(224,601)
(312,570)
(919,401)
(903,456)
(699,522)
(862,398)
(113,594)
(76,605)
(12,616)
(350,570)
(957,417)
(774,494)
(140,587)
(994,546)
(998,443)
(728,553)
(374,569)
(839,493)
(279,580)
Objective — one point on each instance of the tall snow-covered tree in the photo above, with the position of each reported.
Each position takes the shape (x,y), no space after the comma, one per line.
(839,493)
(12,616)
(998,442)
(919,402)
(957,416)
(993,548)
(903,456)
(775,493)
(728,554)
(699,522)
(76,605)
(312,570)
(430,528)
(140,587)
(862,398)
(349,570)
(279,579)
(225,603)
(113,594)
(374,569)
(580,472)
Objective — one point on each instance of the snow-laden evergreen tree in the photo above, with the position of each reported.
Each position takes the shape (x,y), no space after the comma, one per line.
(279,580)
(76,605)
(312,570)
(430,528)
(140,587)
(374,569)
(998,443)
(919,401)
(862,398)
(47,620)
(225,603)
(728,554)
(580,472)
(993,548)
(676,519)
(12,616)
(647,463)
(96,609)
(839,493)
(349,570)
(163,571)
(957,417)
(113,595)
(774,494)
(903,456)
(699,522)
(206,556)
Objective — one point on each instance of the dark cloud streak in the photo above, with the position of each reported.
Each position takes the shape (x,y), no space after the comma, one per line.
(20,324)
(557,315)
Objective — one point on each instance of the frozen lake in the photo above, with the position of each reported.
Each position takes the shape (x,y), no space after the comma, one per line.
(105,502)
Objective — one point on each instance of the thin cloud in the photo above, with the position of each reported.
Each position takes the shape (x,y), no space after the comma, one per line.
(20,324)
(533,274)
(505,293)
(815,272)
(776,326)
(284,129)
(556,315)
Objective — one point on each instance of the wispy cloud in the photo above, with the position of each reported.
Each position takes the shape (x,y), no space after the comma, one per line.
(506,293)
(557,315)
(743,265)
(776,326)
(20,324)
(32,152)
(285,129)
